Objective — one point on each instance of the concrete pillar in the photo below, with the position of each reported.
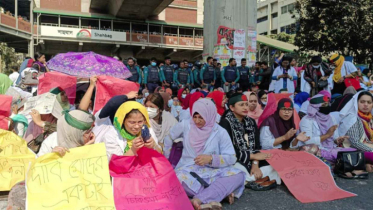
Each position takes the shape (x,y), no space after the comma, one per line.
(16,12)
(237,14)
(200,11)
(269,10)
(31,48)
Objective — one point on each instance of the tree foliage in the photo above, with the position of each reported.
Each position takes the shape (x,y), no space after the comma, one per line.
(8,57)
(284,37)
(343,26)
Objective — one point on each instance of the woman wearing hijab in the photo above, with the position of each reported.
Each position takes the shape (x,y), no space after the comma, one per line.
(278,130)
(219,100)
(161,121)
(208,155)
(244,133)
(262,98)
(322,129)
(316,76)
(62,98)
(255,110)
(299,99)
(181,94)
(356,122)
(5,83)
(284,76)
(20,124)
(343,69)
(40,63)
(118,124)
(188,104)
(71,133)
(364,77)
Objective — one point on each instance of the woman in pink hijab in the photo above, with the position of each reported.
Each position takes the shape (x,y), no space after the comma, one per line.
(208,155)
(255,110)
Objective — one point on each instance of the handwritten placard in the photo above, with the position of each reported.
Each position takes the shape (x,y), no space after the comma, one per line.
(14,159)
(307,177)
(108,87)
(146,182)
(79,180)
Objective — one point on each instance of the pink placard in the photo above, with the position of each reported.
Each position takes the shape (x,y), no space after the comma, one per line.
(307,177)
(55,79)
(108,87)
(146,181)
(5,107)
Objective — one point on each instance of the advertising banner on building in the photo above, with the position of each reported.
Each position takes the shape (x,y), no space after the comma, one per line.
(83,33)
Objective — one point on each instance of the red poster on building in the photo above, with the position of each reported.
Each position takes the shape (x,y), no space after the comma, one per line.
(225,36)
(108,87)
(55,79)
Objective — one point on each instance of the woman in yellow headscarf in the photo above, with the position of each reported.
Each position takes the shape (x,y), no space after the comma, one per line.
(343,69)
(119,125)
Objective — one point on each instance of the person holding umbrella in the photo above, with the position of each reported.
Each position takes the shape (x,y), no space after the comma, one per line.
(152,76)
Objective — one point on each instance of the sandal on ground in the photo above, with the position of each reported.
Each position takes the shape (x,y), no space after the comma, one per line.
(354,175)
(216,206)
(197,205)
(265,186)
(250,185)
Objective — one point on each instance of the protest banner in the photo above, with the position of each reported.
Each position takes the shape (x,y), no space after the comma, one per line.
(5,107)
(146,182)
(79,180)
(108,87)
(55,79)
(14,159)
(44,104)
(307,177)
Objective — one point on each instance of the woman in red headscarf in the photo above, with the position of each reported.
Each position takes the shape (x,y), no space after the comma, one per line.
(187,103)
(219,99)
(279,130)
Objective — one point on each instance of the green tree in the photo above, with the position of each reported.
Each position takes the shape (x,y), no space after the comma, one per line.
(343,26)
(284,37)
(8,57)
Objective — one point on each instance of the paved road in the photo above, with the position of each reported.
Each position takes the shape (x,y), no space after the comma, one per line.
(281,198)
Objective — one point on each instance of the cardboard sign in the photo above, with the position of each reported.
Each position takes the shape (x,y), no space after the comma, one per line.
(307,177)
(108,87)
(146,181)
(79,180)
(14,159)
(55,79)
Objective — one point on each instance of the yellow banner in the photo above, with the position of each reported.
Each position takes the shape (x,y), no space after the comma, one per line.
(79,180)
(14,159)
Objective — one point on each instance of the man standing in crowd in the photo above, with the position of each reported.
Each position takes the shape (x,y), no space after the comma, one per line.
(135,71)
(266,75)
(195,73)
(152,76)
(343,70)
(14,75)
(230,75)
(167,73)
(207,74)
(217,73)
(244,75)
(189,67)
(255,79)
(181,76)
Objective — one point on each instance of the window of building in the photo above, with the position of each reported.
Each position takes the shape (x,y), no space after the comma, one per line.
(264,33)
(284,9)
(265,18)
(291,7)
(274,15)
(274,31)
(289,29)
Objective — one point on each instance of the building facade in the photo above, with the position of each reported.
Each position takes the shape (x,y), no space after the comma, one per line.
(275,16)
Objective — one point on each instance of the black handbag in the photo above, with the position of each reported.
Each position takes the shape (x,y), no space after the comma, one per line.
(349,161)
(322,84)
